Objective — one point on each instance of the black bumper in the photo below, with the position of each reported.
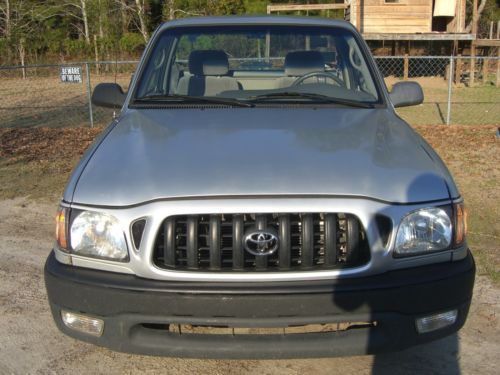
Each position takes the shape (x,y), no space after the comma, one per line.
(130,306)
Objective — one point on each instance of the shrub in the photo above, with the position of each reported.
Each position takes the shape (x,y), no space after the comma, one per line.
(131,42)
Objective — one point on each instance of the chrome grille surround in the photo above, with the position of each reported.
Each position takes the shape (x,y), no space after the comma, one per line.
(365,209)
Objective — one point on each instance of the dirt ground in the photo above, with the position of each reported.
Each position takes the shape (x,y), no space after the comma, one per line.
(32,344)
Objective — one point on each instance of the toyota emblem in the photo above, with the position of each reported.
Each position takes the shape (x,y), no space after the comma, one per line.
(260,242)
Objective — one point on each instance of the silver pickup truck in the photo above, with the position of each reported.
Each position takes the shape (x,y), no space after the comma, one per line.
(257,196)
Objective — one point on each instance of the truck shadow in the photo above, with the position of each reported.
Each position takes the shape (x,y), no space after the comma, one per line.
(395,316)
(437,357)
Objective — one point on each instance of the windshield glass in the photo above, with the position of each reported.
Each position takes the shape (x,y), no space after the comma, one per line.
(257,63)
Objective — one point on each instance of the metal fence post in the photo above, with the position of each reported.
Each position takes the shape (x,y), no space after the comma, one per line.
(450,85)
(89,94)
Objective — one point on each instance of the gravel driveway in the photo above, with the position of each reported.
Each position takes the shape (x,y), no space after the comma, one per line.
(31,343)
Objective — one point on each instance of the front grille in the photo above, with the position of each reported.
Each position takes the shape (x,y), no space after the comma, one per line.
(306,241)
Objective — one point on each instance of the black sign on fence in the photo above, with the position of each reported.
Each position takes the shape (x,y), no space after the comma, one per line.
(71,74)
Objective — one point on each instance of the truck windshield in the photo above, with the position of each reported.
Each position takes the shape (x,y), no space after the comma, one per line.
(252,64)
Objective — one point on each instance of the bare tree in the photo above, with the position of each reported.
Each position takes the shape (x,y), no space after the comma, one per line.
(100,14)
(480,9)
(142,19)
(125,19)
(22,54)
(77,9)
(85,18)
(137,10)
(19,20)
(5,25)
(171,10)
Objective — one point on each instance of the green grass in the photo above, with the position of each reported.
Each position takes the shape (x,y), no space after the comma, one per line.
(484,236)
(37,180)
(472,153)
(478,105)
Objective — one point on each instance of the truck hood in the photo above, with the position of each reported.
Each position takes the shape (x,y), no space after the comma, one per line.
(156,154)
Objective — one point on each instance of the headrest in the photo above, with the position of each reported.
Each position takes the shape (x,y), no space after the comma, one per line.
(208,63)
(298,63)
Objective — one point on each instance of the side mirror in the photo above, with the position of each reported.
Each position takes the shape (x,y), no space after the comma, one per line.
(404,94)
(109,95)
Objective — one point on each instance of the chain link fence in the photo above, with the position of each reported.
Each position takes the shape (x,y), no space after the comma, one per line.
(458,90)
(58,95)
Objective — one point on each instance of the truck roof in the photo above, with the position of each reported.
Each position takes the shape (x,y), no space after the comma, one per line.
(256,20)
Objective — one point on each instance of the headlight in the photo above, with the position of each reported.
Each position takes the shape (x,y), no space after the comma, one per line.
(423,231)
(98,235)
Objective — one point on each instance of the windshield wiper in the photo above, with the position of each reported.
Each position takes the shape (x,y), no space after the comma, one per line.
(310,96)
(160,98)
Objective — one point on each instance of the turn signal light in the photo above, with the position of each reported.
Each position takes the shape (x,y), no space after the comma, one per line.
(460,223)
(61,218)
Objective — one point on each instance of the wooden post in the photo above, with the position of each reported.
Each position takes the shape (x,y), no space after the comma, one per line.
(472,45)
(472,64)
(485,70)
(450,88)
(498,67)
(491,29)
(458,70)
(474,18)
(406,67)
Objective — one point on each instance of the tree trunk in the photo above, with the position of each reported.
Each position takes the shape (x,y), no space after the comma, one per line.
(22,55)
(101,29)
(124,16)
(85,21)
(171,10)
(7,20)
(480,9)
(142,19)
(8,28)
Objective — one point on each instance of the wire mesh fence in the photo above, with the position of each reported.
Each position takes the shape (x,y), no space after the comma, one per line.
(457,90)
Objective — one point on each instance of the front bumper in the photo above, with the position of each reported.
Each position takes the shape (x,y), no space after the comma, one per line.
(129,306)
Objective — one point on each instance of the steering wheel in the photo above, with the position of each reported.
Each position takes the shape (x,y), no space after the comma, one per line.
(329,75)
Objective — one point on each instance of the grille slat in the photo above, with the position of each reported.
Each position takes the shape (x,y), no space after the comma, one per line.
(215,242)
(238,252)
(285,242)
(331,253)
(169,242)
(352,241)
(192,242)
(307,241)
